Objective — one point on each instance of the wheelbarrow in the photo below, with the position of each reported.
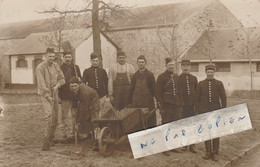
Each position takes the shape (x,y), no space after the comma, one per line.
(115,127)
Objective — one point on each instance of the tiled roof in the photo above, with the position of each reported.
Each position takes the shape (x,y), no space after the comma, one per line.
(35,43)
(151,15)
(23,29)
(222,43)
(158,15)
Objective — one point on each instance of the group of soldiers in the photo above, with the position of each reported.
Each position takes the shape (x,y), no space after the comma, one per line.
(176,96)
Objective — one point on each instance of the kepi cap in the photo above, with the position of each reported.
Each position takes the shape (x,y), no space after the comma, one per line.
(168,60)
(121,53)
(49,50)
(93,56)
(210,67)
(185,62)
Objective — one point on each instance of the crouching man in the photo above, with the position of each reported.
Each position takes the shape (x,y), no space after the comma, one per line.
(86,101)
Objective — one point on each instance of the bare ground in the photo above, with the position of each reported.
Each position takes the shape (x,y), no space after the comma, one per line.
(21,135)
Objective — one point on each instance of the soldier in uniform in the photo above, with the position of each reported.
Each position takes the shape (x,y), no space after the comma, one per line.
(169,95)
(119,82)
(142,90)
(97,79)
(189,84)
(210,96)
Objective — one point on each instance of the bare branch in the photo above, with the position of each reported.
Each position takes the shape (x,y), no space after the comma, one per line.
(162,43)
(54,10)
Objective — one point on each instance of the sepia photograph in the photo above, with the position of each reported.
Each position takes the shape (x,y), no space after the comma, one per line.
(130,83)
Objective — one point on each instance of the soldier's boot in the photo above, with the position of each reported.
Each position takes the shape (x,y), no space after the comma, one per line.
(215,157)
(192,148)
(51,138)
(215,149)
(166,153)
(208,154)
(51,141)
(46,144)
(177,150)
(185,148)
(64,131)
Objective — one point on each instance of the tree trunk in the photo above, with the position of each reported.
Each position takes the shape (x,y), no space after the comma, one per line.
(173,50)
(250,64)
(251,79)
(96,31)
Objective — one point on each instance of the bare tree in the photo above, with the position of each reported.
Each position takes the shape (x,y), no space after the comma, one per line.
(174,39)
(101,12)
(205,25)
(61,29)
(246,44)
(170,39)
(55,37)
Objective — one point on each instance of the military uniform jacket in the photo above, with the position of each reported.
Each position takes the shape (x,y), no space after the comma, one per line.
(189,85)
(68,72)
(97,79)
(168,89)
(210,95)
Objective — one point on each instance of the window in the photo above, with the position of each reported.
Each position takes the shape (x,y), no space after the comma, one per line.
(194,67)
(21,63)
(257,66)
(222,67)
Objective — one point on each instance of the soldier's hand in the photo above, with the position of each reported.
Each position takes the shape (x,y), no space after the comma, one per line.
(111,98)
(59,100)
(77,127)
(55,88)
(50,99)
(161,111)
(129,106)
(73,112)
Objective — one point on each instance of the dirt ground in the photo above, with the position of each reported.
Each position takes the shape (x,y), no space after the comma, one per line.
(250,160)
(21,135)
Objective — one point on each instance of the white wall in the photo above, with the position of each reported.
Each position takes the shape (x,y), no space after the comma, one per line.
(22,75)
(83,51)
(237,79)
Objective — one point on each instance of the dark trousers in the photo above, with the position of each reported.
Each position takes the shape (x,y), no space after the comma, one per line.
(212,143)
(187,111)
(151,122)
(171,113)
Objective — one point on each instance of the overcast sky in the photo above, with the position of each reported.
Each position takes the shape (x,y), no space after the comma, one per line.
(21,10)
